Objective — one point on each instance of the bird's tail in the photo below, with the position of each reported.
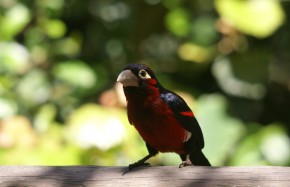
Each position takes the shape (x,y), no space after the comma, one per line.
(198,159)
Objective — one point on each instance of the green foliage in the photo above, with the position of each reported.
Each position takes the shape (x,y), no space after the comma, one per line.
(269,145)
(178,22)
(59,104)
(13,21)
(75,73)
(211,112)
(258,18)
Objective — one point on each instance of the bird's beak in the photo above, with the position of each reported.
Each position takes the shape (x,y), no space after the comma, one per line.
(127,78)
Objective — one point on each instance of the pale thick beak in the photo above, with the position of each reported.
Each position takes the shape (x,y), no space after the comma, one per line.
(127,78)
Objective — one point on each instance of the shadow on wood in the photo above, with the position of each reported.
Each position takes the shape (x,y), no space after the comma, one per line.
(64,176)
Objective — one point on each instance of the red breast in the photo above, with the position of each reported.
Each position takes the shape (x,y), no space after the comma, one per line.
(156,123)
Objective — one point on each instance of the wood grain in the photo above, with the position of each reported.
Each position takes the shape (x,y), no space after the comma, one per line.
(164,176)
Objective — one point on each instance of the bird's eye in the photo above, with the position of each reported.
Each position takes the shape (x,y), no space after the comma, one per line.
(143,74)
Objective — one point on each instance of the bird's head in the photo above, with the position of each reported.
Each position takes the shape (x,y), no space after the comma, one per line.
(138,75)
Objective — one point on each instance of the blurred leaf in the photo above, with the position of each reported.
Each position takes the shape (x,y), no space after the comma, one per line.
(221,132)
(195,53)
(269,145)
(248,151)
(259,18)
(69,46)
(102,132)
(8,108)
(178,22)
(44,117)
(75,73)
(93,125)
(39,54)
(54,28)
(203,31)
(14,57)
(275,145)
(231,83)
(13,21)
(34,87)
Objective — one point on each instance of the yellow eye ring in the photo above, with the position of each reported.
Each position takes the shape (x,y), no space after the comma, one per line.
(143,74)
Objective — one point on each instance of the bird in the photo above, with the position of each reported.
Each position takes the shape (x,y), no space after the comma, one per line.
(162,118)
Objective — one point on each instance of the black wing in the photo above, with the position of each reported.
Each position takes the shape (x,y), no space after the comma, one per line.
(182,113)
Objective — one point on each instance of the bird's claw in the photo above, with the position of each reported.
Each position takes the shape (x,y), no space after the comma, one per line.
(138,164)
(135,165)
(186,162)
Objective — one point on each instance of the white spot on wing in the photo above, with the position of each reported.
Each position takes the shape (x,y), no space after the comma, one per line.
(187,136)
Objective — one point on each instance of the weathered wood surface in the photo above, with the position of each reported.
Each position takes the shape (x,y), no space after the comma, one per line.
(164,176)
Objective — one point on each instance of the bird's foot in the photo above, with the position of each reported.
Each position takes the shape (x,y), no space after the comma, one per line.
(138,164)
(135,165)
(186,162)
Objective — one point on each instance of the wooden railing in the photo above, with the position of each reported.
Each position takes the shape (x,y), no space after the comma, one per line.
(163,176)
